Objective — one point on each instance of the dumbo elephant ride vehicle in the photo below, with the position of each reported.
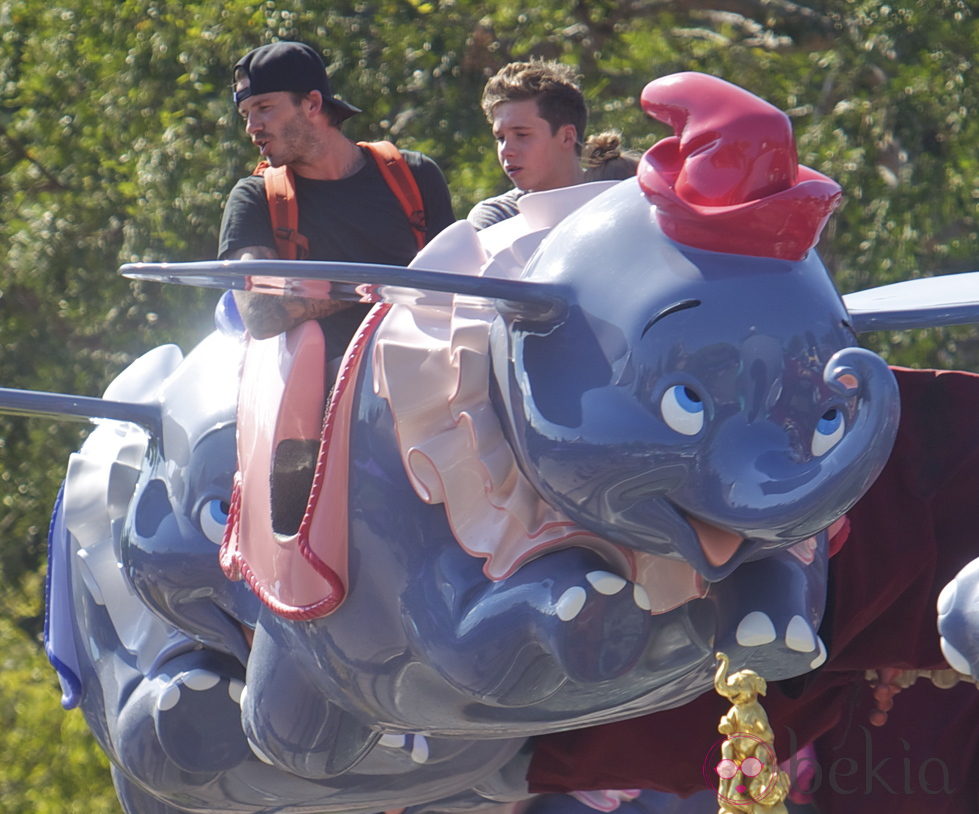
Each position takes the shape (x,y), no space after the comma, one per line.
(561,463)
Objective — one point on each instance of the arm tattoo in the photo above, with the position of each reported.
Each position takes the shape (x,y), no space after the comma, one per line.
(266,315)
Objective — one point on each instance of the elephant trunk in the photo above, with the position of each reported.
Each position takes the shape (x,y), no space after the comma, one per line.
(773,497)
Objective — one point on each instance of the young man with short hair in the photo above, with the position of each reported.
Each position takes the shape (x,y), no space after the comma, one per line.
(347,211)
(538,114)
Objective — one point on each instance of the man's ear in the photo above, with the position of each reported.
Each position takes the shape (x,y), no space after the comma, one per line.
(314,99)
(568,134)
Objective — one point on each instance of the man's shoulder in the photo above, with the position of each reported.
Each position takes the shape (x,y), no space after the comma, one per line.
(493,210)
(245,221)
(414,158)
(504,198)
(247,193)
(249,185)
(428,175)
(425,169)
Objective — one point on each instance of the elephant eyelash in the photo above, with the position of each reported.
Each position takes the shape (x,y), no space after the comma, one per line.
(680,306)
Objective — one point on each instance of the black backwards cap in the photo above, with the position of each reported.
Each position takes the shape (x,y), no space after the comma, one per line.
(287,66)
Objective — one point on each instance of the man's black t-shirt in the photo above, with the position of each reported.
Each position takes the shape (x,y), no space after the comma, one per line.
(356,219)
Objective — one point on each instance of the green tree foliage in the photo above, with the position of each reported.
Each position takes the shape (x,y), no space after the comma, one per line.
(50,764)
(118,142)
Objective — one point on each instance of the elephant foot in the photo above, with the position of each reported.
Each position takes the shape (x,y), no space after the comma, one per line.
(517,641)
(958,621)
(601,626)
(312,738)
(771,610)
(774,649)
(198,721)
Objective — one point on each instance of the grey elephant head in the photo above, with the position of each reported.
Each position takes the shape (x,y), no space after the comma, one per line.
(697,401)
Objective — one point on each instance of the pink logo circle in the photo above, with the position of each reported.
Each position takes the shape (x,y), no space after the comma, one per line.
(722,771)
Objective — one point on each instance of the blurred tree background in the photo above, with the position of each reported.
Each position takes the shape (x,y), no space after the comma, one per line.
(118,142)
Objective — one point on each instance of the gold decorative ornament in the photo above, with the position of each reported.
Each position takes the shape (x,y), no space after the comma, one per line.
(750,781)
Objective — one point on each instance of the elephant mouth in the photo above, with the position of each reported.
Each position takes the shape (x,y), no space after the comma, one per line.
(232,635)
(719,545)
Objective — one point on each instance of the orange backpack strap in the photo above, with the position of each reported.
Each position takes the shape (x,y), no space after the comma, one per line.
(280,190)
(402,183)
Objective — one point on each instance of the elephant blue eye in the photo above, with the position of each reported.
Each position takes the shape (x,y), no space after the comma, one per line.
(213,517)
(683,410)
(829,430)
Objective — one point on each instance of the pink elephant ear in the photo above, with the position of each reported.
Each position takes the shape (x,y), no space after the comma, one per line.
(729,179)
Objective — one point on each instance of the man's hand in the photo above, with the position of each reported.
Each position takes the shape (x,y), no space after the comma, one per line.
(266,315)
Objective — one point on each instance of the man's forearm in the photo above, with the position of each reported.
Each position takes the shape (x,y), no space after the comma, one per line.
(266,315)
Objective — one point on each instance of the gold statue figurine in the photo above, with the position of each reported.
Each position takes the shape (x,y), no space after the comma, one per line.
(750,781)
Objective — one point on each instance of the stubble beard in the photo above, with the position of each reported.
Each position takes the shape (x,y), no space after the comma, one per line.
(295,139)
